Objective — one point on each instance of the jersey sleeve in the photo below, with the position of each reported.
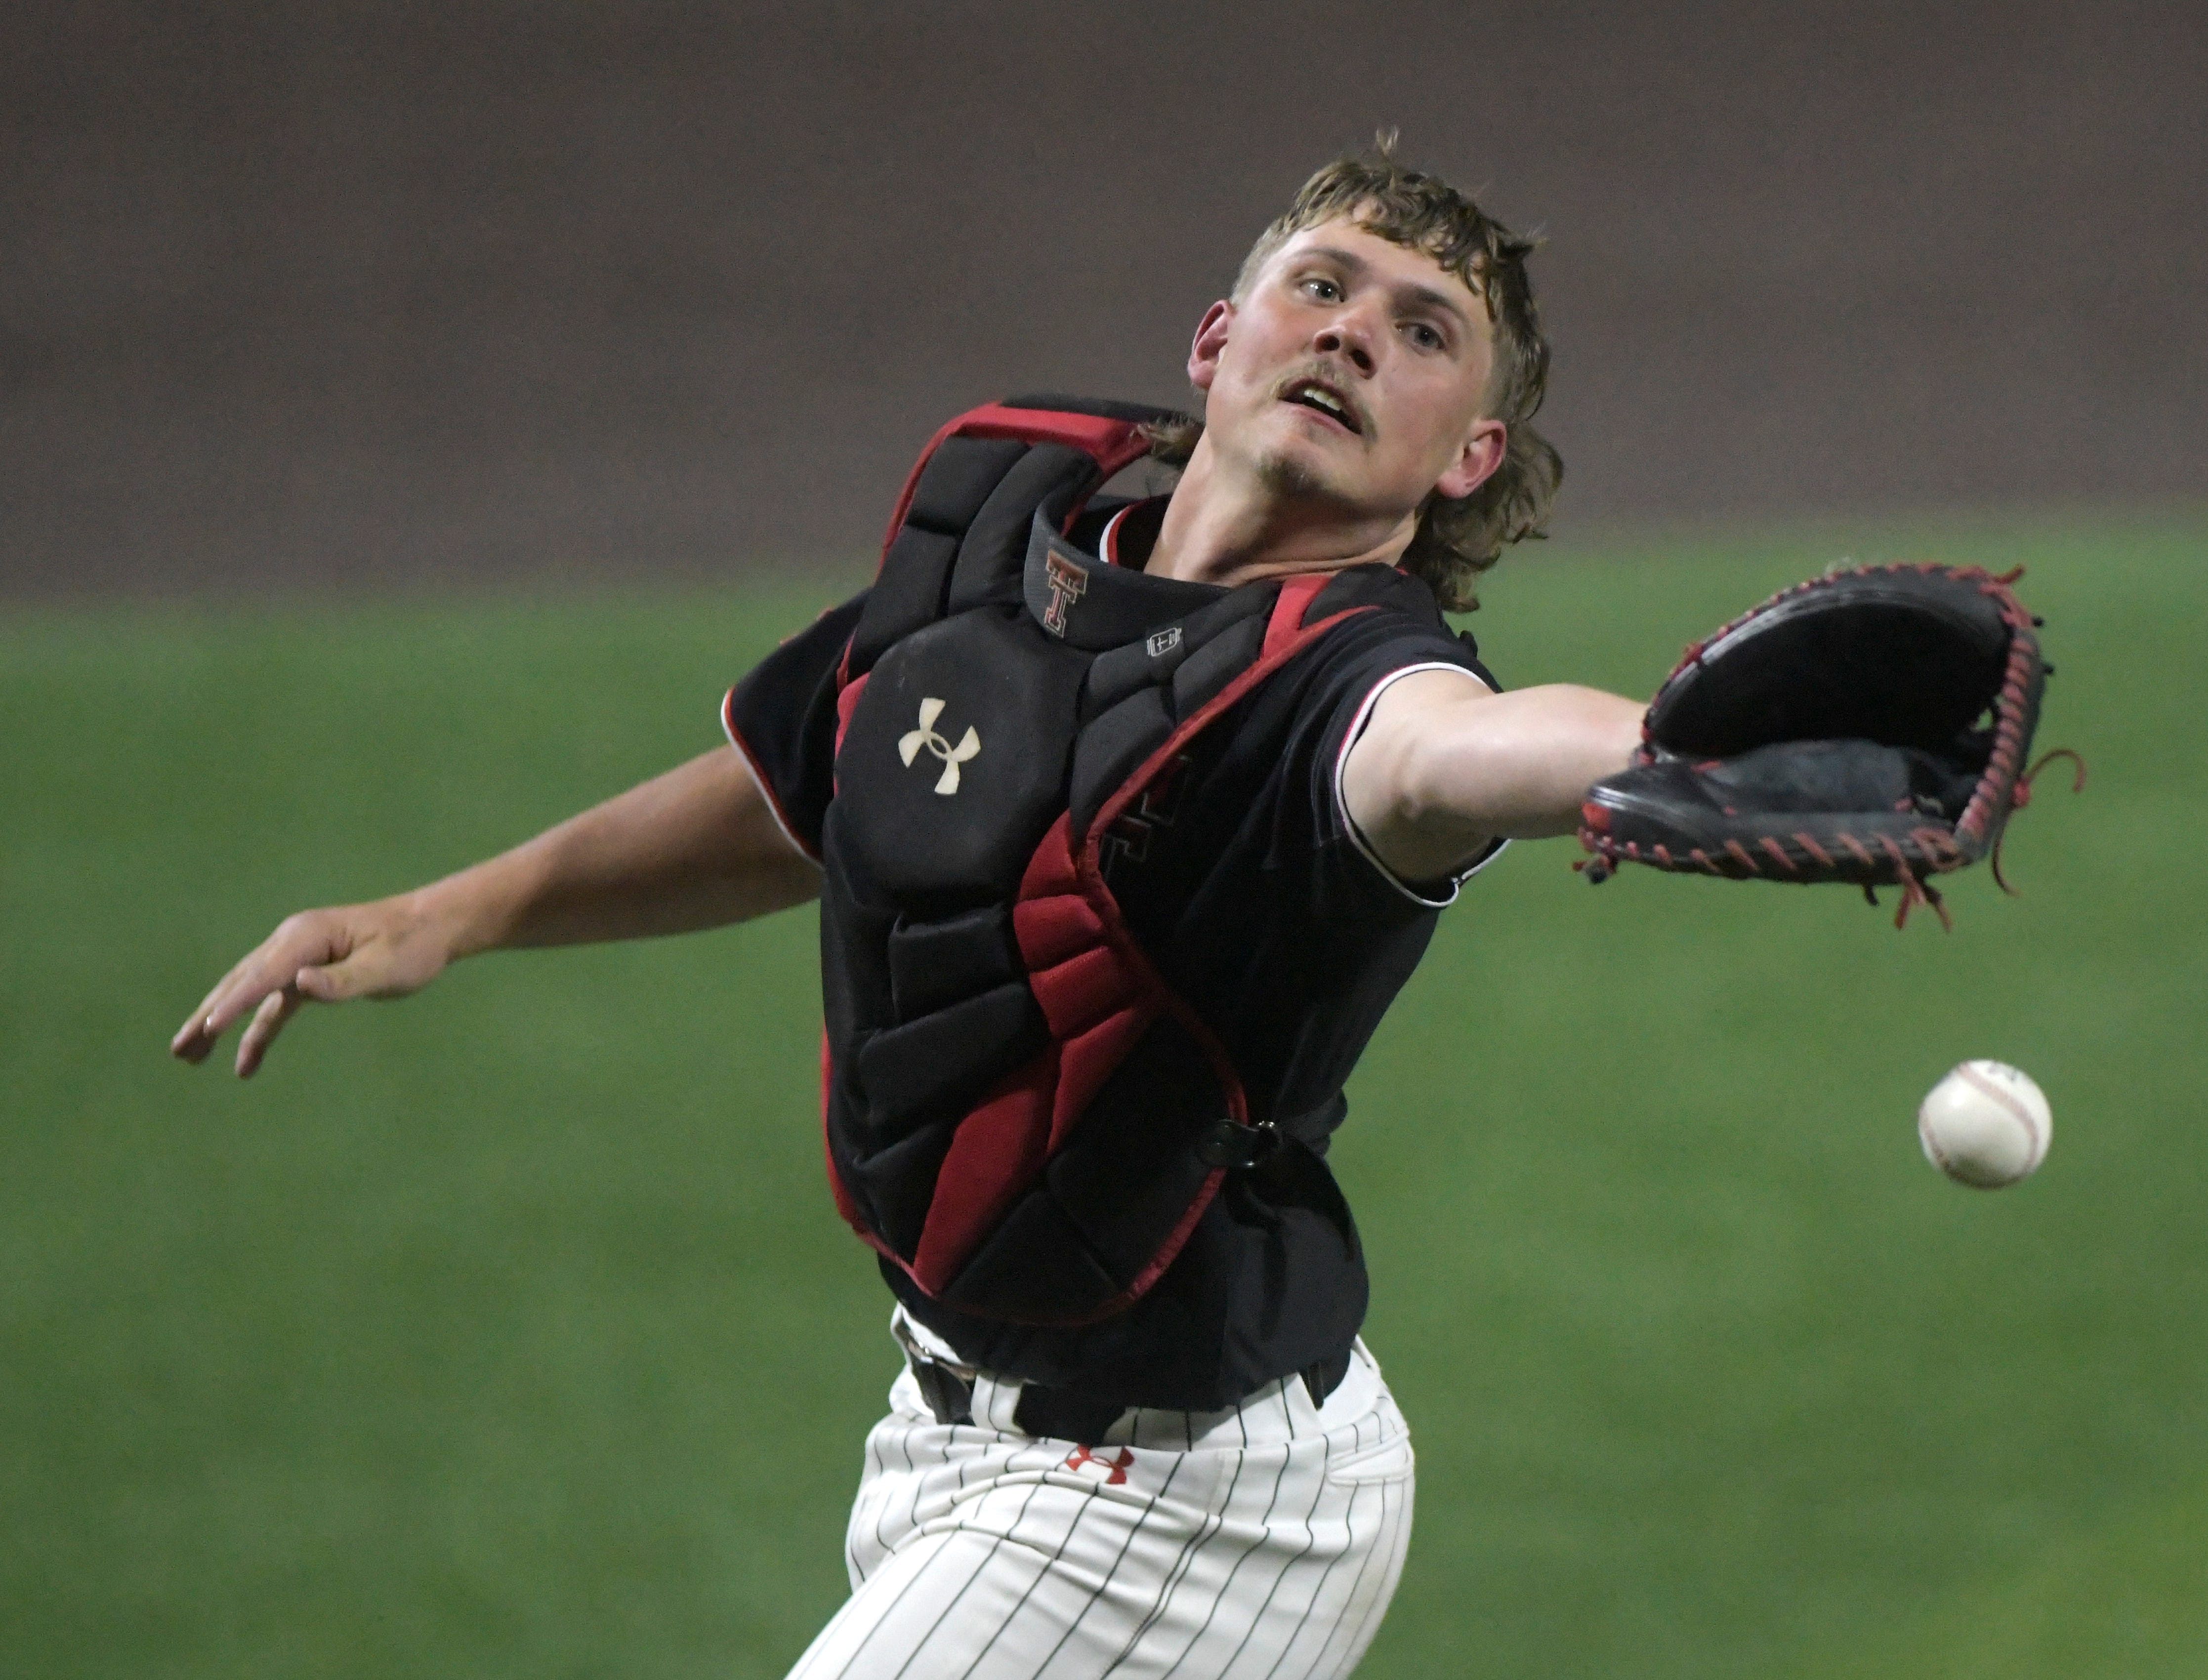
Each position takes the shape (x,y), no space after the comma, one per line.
(1342,701)
(782,719)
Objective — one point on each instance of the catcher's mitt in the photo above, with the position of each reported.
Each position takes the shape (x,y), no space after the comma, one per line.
(1868,726)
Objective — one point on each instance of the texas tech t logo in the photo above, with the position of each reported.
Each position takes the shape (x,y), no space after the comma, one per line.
(1067,582)
(910,742)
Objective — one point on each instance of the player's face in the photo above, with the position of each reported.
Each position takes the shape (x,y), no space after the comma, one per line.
(1353,371)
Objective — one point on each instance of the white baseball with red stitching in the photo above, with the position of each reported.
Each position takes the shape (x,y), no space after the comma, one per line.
(1985,1125)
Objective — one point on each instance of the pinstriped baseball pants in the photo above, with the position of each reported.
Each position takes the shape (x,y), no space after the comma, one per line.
(1259,1543)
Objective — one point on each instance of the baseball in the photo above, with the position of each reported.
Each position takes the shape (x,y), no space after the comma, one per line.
(1985,1125)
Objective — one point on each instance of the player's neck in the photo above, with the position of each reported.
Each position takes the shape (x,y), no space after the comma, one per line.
(1223,526)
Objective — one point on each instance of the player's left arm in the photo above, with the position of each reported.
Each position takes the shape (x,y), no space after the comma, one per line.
(1446,765)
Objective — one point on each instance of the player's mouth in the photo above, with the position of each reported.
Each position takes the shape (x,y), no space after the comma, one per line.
(1319,397)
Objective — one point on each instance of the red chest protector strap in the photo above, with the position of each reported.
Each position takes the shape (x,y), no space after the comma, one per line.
(1112,443)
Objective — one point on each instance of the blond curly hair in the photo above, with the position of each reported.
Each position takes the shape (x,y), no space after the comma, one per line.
(1459,537)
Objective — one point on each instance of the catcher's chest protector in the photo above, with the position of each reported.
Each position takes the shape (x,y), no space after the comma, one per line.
(1018,1111)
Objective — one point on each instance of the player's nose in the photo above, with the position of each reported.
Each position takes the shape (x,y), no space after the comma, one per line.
(1348,337)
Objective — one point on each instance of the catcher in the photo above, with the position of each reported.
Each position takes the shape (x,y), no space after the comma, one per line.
(1128,819)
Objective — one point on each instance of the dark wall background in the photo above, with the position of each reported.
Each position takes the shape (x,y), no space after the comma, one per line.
(483,291)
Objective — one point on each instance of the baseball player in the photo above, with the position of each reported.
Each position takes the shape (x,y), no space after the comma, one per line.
(1128,819)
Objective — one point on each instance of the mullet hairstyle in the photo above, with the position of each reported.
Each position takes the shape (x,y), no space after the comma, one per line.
(1457,538)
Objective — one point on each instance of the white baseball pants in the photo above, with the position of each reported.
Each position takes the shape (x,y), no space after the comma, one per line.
(1259,1543)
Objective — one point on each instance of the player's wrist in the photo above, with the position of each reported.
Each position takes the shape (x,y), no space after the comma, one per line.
(461,916)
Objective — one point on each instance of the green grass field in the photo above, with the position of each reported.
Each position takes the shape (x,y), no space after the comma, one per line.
(510,1332)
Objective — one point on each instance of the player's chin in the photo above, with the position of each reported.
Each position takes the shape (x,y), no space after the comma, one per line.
(1305,462)
(1292,473)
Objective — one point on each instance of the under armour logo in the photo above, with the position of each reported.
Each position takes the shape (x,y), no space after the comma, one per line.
(1119,1467)
(912,741)
(1067,582)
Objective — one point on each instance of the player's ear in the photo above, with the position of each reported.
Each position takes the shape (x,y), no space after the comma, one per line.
(1476,462)
(1211,340)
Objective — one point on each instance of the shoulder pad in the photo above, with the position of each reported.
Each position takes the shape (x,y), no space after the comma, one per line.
(961,527)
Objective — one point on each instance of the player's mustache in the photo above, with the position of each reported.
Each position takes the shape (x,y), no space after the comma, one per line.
(1321,373)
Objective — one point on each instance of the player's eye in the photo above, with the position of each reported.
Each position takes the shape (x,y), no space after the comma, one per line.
(1425,335)
(1320,290)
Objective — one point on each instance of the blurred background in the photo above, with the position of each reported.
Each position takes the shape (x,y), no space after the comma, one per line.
(411,418)
(500,292)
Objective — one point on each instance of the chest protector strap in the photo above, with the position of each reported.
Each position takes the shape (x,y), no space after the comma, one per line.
(1019,1112)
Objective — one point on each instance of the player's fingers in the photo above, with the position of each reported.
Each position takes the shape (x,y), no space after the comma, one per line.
(191,1042)
(195,1039)
(268,1020)
(198,1035)
(235,997)
(311,937)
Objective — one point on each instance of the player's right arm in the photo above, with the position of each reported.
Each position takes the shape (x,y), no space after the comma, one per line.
(1446,766)
(699,846)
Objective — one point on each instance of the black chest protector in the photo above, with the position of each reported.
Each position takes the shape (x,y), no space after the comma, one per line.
(1019,1112)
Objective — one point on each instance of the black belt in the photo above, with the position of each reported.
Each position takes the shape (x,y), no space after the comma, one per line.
(1066,1414)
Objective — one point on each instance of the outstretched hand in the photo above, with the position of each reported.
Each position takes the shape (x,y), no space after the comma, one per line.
(698,847)
(381,950)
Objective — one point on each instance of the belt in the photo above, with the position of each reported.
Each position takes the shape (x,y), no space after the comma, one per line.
(1067,1414)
